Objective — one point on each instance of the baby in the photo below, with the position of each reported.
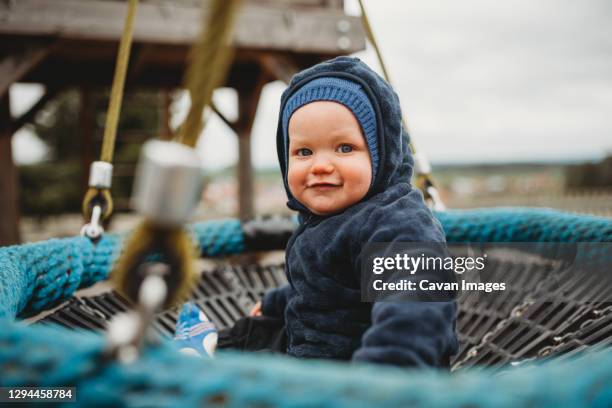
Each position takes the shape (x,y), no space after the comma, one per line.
(346,167)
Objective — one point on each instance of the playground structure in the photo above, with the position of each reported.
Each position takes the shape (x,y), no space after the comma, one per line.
(72,43)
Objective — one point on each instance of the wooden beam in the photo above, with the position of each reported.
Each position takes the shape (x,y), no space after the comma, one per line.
(224,119)
(288,3)
(269,25)
(278,67)
(29,116)
(9,200)
(16,65)
(338,4)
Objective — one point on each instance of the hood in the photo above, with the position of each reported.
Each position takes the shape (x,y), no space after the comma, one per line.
(395,161)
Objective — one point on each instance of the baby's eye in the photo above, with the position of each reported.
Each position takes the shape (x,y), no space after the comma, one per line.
(345,148)
(304,152)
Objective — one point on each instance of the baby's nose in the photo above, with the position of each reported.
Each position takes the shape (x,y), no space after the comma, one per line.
(322,164)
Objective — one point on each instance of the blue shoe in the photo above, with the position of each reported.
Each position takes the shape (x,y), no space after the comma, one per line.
(195,334)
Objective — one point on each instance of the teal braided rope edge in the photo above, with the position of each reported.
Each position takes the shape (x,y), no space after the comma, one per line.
(523,225)
(36,276)
(219,238)
(162,377)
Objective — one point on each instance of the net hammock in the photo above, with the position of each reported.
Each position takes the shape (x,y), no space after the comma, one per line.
(34,277)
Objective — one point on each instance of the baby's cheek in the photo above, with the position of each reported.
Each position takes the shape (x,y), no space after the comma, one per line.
(295,178)
(359,173)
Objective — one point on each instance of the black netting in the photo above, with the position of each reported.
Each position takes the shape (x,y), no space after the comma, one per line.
(225,295)
(511,328)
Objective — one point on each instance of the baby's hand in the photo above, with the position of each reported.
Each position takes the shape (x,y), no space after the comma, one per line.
(256,310)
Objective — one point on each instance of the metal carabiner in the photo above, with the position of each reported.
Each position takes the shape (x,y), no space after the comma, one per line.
(100,178)
(423,168)
(436,200)
(127,331)
(93,230)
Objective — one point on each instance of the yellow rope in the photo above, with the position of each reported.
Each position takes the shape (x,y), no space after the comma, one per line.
(423,180)
(208,63)
(370,34)
(112,114)
(209,60)
(116,96)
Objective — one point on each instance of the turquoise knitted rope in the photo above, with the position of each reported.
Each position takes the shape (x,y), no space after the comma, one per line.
(36,276)
(523,225)
(162,377)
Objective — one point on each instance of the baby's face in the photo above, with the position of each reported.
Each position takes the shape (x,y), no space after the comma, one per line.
(329,162)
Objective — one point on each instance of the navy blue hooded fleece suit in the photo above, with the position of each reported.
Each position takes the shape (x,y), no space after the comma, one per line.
(322,306)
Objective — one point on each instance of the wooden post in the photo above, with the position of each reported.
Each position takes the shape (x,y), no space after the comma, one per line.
(246,207)
(9,202)
(165,102)
(248,99)
(85,136)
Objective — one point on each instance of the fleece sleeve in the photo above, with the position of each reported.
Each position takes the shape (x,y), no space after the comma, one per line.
(419,334)
(274,301)
(420,331)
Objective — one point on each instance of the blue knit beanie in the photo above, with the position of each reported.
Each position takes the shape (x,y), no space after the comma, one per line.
(345,92)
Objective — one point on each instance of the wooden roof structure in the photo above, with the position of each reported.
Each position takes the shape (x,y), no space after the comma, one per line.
(73,43)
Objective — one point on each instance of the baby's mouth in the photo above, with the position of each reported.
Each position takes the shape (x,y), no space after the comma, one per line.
(323,185)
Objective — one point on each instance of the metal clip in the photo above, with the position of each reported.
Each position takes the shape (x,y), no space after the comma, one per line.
(421,164)
(100,174)
(436,200)
(168,182)
(128,331)
(423,168)
(93,230)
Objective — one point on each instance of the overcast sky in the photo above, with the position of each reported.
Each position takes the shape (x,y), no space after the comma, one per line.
(479,81)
